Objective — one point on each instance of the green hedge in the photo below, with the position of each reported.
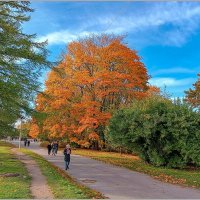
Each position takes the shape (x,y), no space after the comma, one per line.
(162,132)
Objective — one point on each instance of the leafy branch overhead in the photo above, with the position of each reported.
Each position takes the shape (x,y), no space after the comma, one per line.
(21,62)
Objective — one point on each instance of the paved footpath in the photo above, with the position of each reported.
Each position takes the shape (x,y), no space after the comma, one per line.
(116,182)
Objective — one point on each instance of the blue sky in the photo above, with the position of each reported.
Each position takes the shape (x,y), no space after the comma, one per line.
(165,34)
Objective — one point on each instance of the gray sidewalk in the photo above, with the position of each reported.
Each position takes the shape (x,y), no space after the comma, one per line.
(116,182)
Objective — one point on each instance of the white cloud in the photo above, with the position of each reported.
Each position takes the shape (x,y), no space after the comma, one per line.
(174,70)
(63,36)
(183,19)
(158,15)
(170,82)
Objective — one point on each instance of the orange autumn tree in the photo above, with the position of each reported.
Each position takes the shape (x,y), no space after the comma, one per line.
(98,75)
(34,129)
(193,95)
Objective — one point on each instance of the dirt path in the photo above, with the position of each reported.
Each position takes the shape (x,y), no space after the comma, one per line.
(39,187)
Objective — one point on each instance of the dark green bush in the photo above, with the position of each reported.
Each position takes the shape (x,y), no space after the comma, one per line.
(162,132)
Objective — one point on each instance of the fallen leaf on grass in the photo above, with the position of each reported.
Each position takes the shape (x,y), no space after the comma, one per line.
(170,179)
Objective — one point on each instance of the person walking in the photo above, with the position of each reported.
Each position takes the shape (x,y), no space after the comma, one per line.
(54,148)
(49,148)
(25,142)
(28,143)
(67,152)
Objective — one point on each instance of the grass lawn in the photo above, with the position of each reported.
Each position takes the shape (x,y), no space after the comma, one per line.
(13,187)
(62,185)
(190,177)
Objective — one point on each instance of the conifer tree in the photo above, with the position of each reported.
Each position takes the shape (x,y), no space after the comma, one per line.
(21,62)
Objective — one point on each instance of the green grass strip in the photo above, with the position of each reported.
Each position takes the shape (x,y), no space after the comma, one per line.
(13,187)
(61,184)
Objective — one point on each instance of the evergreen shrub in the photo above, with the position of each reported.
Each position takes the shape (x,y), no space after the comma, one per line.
(161,132)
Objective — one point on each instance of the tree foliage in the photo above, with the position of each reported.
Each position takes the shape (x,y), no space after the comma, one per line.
(21,61)
(98,75)
(161,132)
(193,95)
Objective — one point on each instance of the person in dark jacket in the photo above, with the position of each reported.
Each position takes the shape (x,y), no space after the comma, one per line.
(25,142)
(67,152)
(56,150)
(54,146)
(49,148)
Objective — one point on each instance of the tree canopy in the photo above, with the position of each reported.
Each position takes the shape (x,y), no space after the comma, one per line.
(98,75)
(162,132)
(21,61)
(193,95)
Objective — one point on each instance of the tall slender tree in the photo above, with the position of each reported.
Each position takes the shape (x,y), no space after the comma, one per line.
(21,62)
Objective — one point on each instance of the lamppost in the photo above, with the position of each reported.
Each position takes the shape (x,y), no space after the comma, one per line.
(20,132)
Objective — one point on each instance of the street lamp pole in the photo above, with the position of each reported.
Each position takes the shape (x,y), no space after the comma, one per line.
(20,132)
